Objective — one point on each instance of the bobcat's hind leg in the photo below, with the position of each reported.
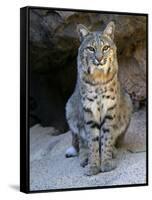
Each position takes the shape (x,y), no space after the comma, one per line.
(74,149)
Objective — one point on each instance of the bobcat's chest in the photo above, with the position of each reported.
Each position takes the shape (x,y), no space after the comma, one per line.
(98,102)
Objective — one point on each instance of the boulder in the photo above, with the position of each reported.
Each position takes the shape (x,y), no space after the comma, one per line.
(53,52)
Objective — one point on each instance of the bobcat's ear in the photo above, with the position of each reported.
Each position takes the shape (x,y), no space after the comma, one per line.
(82,31)
(109,30)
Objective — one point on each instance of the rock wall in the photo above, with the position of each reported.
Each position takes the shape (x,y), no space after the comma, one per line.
(53,51)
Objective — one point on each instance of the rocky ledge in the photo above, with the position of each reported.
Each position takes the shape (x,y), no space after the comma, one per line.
(49,169)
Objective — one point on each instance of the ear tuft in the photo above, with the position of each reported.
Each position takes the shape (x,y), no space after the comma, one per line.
(109,30)
(82,31)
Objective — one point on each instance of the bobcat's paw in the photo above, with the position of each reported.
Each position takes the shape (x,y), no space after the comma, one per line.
(91,170)
(84,162)
(108,165)
(71,152)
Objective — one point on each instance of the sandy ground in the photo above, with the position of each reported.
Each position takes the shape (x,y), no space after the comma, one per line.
(49,169)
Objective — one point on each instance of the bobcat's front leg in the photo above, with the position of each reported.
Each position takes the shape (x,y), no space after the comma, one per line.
(108,163)
(83,153)
(93,166)
(92,130)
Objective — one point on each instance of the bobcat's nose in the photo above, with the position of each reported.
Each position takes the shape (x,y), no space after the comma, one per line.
(98,58)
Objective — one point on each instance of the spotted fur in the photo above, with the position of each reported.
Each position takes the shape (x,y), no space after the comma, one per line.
(98,111)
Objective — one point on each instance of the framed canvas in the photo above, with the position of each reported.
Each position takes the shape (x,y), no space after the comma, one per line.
(84,99)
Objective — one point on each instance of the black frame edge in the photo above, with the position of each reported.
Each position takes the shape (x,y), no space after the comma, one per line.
(89,188)
(147,94)
(24,136)
(86,10)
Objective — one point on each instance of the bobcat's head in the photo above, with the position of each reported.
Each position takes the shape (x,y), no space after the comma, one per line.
(97,52)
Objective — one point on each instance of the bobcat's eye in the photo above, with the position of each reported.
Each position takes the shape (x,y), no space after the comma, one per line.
(91,49)
(106,48)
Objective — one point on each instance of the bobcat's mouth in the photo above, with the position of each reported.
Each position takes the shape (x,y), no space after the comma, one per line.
(101,63)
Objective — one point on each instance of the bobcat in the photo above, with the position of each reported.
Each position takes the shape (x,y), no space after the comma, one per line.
(99,111)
